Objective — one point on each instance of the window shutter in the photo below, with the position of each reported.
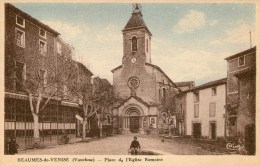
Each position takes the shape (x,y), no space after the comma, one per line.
(212,109)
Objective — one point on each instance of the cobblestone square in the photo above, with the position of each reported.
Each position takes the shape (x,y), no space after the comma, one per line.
(119,145)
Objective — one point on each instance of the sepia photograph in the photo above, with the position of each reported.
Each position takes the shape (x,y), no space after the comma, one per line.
(128,79)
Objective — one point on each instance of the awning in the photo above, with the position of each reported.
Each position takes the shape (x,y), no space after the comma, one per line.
(16,96)
(247,71)
(79,117)
(70,104)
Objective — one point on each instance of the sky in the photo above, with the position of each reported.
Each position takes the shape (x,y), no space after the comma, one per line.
(190,41)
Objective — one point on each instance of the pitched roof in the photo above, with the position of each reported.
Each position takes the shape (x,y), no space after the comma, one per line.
(158,68)
(208,85)
(30,18)
(248,51)
(185,83)
(84,68)
(118,67)
(105,82)
(152,65)
(136,21)
(135,97)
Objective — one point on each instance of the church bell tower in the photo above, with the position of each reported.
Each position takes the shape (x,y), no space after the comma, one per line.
(136,39)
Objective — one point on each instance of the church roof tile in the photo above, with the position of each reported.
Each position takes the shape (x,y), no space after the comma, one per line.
(136,21)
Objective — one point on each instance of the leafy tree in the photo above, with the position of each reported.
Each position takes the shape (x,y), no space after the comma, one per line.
(48,76)
(95,101)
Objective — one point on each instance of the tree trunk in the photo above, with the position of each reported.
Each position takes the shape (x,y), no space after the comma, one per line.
(100,129)
(85,122)
(36,133)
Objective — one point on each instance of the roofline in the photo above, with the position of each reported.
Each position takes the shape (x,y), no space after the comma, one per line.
(157,67)
(84,67)
(127,29)
(135,97)
(29,17)
(185,83)
(118,67)
(152,65)
(66,44)
(207,85)
(248,51)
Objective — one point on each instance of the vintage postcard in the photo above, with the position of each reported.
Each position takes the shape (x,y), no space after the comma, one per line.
(111,83)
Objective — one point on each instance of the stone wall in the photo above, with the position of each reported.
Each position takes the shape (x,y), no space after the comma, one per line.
(241,92)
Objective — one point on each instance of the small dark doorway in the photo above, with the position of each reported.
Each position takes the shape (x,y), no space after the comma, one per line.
(196,130)
(212,126)
(134,124)
(250,139)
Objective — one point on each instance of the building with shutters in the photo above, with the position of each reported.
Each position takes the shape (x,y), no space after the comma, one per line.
(204,110)
(36,58)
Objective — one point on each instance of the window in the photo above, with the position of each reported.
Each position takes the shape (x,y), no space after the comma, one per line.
(196,97)
(241,61)
(163,93)
(58,48)
(196,110)
(153,122)
(214,91)
(134,43)
(20,73)
(20,37)
(20,21)
(43,33)
(43,47)
(212,109)
(43,77)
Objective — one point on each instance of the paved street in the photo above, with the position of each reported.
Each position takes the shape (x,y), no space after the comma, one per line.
(119,145)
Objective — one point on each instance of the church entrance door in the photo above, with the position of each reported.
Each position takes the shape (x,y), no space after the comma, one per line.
(134,119)
(134,124)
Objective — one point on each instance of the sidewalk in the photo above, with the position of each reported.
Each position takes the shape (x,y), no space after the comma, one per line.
(52,145)
(73,141)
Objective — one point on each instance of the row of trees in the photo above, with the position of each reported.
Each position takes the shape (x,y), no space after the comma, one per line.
(48,76)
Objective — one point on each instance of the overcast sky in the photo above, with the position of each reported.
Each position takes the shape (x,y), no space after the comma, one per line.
(189,42)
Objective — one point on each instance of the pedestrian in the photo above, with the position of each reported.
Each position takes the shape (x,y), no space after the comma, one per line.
(134,146)
(7,145)
(13,146)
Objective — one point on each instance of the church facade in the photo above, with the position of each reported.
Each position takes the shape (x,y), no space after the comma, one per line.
(140,86)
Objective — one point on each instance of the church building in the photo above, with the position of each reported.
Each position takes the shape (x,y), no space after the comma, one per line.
(140,86)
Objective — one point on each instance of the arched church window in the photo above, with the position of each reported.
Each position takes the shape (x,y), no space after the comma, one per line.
(134,43)
(164,93)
